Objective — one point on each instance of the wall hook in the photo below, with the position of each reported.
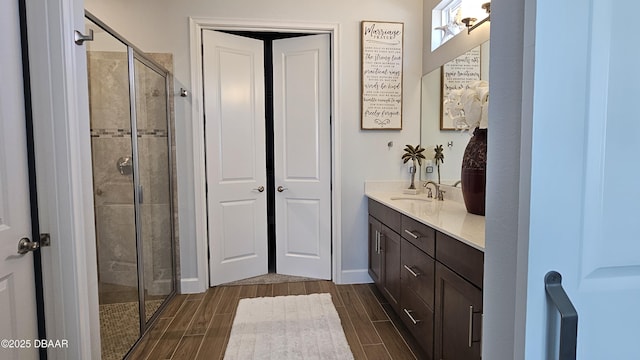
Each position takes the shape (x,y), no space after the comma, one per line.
(183,92)
(80,38)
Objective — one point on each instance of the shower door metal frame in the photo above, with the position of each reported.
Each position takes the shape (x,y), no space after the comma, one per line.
(133,53)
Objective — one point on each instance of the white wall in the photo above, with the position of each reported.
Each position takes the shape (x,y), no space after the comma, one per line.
(508,174)
(162,26)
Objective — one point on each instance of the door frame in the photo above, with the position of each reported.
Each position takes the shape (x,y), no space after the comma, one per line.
(60,105)
(196,25)
(509,172)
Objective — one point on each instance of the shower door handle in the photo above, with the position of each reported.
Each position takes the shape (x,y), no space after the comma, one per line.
(140,194)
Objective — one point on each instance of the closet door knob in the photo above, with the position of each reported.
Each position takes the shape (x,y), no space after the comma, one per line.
(260,189)
(281,189)
(25,245)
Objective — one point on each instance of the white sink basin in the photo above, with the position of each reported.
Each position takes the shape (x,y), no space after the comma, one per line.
(419,205)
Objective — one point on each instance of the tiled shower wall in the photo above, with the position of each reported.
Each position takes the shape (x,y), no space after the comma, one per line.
(113,192)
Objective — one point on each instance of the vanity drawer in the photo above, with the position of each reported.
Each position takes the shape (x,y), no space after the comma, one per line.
(418,272)
(419,319)
(386,215)
(468,262)
(419,235)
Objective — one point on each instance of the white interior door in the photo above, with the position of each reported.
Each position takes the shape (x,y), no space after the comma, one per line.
(585,201)
(17,290)
(233,70)
(302,156)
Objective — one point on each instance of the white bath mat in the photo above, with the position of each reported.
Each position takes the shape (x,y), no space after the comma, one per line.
(287,327)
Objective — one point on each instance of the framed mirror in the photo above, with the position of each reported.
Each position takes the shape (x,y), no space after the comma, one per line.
(455,75)
(432,131)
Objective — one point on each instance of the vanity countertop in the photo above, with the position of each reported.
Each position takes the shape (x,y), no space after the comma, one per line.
(448,217)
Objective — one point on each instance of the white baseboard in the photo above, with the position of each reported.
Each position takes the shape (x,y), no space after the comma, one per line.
(359,276)
(191,286)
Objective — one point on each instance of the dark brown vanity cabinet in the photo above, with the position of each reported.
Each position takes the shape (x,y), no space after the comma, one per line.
(384,251)
(458,317)
(417,276)
(375,253)
(391,273)
(417,295)
(458,325)
(433,282)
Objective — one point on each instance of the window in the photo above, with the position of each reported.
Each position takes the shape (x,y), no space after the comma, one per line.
(446,22)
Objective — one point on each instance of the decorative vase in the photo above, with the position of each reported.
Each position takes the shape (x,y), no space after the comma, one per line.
(474,172)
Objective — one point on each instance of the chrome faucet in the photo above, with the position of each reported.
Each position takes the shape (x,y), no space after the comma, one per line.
(439,193)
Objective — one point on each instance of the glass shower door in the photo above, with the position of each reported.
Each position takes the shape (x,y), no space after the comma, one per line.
(133,182)
(154,169)
(113,183)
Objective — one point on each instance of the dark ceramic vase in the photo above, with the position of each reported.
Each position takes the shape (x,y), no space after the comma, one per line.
(474,172)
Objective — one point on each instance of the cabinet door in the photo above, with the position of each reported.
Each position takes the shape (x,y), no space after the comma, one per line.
(418,294)
(418,273)
(375,251)
(418,318)
(458,317)
(391,268)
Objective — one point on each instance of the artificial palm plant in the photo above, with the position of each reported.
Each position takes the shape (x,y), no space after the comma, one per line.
(439,158)
(414,154)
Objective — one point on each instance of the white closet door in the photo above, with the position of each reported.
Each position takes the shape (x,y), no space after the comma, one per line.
(302,156)
(236,166)
(585,129)
(17,286)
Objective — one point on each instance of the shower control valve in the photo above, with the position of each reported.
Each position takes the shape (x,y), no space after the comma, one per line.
(125,165)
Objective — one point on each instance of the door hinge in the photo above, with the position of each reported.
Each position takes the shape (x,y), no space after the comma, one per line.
(45,240)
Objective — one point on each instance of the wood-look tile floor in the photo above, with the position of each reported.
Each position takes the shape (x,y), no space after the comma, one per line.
(197,326)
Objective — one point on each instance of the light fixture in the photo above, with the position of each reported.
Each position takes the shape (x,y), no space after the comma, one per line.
(470,22)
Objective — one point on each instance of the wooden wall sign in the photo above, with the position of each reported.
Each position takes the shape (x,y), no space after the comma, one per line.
(382,57)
